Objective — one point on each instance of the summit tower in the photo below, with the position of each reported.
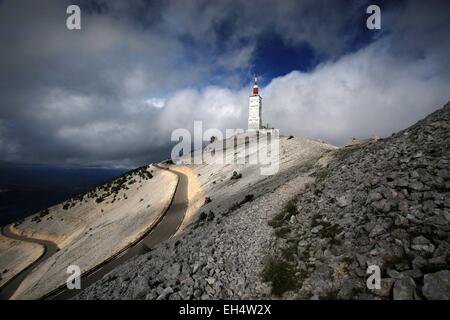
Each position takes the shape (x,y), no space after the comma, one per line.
(254,108)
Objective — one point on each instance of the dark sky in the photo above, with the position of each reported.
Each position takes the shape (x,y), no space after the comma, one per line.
(111,93)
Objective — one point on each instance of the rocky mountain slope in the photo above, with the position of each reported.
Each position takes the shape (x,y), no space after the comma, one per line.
(311,230)
(222,247)
(386,204)
(91,227)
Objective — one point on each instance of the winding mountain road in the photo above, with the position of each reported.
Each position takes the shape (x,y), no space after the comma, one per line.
(164,229)
(8,289)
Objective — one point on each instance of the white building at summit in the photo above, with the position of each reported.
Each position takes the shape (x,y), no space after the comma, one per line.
(254,109)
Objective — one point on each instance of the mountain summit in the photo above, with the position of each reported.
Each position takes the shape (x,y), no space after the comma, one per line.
(312,230)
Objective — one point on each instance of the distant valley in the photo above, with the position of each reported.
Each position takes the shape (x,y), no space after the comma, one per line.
(27,189)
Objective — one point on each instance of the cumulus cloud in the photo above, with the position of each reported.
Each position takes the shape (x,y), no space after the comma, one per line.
(156,102)
(366,93)
(217,107)
(112,93)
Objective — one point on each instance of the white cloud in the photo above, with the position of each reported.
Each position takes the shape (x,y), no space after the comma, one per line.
(62,105)
(370,92)
(156,102)
(217,107)
(362,94)
(118,88)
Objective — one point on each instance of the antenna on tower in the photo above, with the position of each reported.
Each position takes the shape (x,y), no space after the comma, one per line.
(255,85)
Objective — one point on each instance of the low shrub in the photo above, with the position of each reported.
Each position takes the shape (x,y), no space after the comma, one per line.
(280,274)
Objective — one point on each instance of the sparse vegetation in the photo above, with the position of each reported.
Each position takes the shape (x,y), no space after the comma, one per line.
(18,223)
(289,253)
(112,188)
(36,219)
(237,205)
(280,274)
(282,231)
(43,213)
(236,175)
(248,198)
(289,210)
(291,207)
(204,217)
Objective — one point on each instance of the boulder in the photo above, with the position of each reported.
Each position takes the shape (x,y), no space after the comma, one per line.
(404,289)
(436,286)
(165,293)
(422,244)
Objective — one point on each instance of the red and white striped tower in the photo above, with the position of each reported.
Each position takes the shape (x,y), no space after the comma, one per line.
(254,108)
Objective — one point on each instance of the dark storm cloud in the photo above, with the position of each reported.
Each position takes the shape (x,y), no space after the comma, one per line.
(112,93)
